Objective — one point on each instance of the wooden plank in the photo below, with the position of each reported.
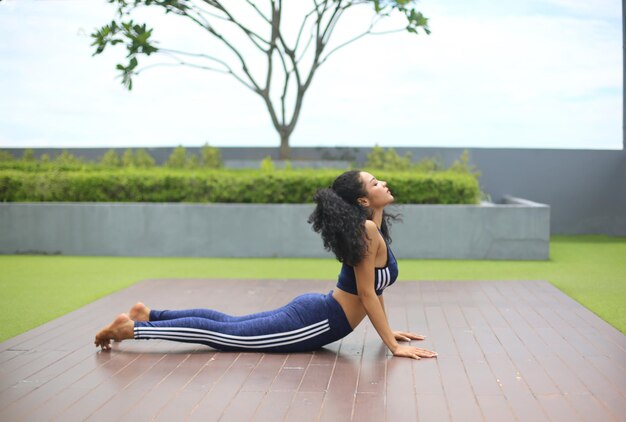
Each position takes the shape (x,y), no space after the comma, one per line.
(291,373)
(400,394)
(265,373)
(369,407)
(305,406)
(432,407)
(400,401)
(79,390)
(242,407)
(274,407)
(495,407)
(373,364)
(316,378)
(219,397)
(187,397)
(460,396)
(25,398)
(338,402)
(519,396)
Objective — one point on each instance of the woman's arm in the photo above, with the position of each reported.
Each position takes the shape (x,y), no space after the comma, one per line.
(364,273)
(381,299)
(374,307)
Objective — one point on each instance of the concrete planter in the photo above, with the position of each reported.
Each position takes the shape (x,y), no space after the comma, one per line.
(517,229)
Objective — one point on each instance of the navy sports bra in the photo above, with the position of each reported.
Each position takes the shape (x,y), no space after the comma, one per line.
(383,276)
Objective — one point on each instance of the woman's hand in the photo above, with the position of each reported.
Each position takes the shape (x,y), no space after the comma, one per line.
(413,352)
(403,336)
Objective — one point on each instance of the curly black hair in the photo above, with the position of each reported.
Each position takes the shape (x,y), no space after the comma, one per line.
(341,219)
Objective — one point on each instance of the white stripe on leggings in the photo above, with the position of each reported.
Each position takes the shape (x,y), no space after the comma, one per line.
(179,331)
(308,328)
(250,344)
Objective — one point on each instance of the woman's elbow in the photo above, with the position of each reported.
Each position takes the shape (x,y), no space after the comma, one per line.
(367,295)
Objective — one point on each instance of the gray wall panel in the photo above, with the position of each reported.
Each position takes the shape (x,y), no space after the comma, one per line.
(517,231)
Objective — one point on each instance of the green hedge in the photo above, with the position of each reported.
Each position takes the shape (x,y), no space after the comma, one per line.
(234,186)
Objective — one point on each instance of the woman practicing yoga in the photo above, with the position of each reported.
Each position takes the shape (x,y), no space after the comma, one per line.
(355,228)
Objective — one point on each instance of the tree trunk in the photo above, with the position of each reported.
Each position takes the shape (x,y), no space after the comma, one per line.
(285,152)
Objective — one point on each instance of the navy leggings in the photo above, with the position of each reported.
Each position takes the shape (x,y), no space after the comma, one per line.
(308,322)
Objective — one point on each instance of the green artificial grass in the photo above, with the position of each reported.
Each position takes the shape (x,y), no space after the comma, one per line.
(37,289)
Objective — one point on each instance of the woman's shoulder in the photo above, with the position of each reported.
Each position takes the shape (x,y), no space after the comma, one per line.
(371,229)
(370,226)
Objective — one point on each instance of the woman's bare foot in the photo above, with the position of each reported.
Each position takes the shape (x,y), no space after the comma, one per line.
(122,328)
(139,312)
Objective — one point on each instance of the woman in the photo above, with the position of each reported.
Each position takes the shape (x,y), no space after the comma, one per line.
(354,226)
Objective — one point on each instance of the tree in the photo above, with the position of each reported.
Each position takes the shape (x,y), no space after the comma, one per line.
(177,158)
(144,159)
(110,159)
(192,162)
(128,158)
(462,165)
(289,66)
(380,159)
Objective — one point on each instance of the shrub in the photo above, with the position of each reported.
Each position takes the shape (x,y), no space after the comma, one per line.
(128,158)
(267,164)
(6,156)
(429,164)
(28,156)
(143,159)
(192,162)
(110,159)
(231,186)
(177,158)
(462,165)
(66,158)
(211,157)
(380,159)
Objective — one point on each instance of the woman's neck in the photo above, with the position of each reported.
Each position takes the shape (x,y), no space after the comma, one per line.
(377,217)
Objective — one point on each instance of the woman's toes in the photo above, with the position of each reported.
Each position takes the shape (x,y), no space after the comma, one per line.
(120,329)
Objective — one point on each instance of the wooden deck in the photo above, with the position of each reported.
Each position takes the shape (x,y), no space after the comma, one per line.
(508,350)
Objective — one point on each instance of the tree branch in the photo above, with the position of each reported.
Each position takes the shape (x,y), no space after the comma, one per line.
(333,20)
(253,36)
(375,20)
(213,15)
(286,85)
(219,36)
(306,17)
(171,52)
(258,11)
(183,63)
(276,15)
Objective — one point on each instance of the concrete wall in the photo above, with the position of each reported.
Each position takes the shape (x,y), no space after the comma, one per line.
(586,189)
(517,231)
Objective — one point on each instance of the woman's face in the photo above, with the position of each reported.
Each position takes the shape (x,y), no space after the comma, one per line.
(378,194)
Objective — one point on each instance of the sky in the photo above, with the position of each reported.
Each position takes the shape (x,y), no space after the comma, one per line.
(492,74)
